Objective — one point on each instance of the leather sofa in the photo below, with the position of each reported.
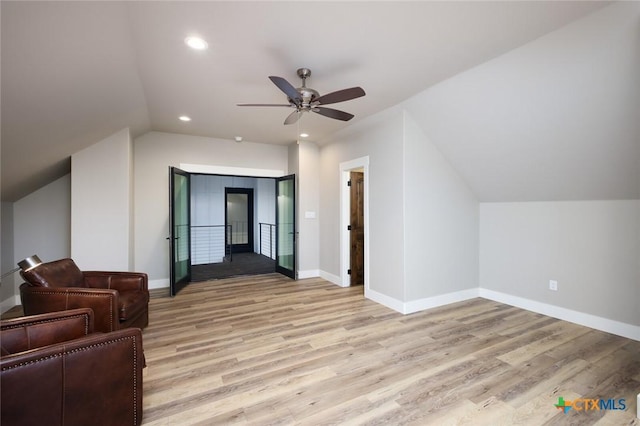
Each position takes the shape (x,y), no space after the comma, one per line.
(56,371)
(118,299)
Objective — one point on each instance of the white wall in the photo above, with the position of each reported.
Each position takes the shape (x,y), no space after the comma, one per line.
(42,222)
(154,152)
(423,228)
(266,213)
(7,289)
(555,119)
(381,138)
(41,226)
(440,222)
(592,249)
(294,169)
(101,184)
(308,200)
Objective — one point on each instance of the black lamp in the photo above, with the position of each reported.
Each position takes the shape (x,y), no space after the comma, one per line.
(25,264)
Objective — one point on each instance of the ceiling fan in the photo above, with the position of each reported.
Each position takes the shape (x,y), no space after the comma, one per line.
(305,99)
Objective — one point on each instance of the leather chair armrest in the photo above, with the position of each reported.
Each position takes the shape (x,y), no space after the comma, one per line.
(84,315)
(103,302)
(93,380)
(121,281)
(26,333)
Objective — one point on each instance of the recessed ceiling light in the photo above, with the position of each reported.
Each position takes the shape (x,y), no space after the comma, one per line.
(238,139)
(304,135)
(196,43)
(184,118)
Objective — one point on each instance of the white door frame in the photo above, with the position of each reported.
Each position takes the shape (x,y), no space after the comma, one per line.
(345,218)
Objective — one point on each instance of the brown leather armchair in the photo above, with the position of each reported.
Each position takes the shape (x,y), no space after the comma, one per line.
(56,371)
(118,299)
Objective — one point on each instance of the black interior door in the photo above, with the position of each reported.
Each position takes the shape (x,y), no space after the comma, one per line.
(179,229)
(239,218)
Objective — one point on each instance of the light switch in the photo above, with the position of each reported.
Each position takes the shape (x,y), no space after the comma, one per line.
(309,215)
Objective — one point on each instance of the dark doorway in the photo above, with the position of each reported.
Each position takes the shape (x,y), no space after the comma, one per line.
(199,235)
(357,227)
(239,219)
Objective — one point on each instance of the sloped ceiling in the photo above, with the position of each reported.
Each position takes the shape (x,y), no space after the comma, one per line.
(73,73)
(556,119)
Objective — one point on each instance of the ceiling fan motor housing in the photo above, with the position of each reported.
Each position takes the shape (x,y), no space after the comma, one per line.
(307,94)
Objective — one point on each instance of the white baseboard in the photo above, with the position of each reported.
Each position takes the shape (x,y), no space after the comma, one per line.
(162,283)
(331,278)
(384,300)
(440,300)
(9,303)
(598,323)
(421,304)
(311,273)
(592,321)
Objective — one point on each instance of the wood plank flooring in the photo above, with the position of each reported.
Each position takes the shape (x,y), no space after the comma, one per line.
(267,350)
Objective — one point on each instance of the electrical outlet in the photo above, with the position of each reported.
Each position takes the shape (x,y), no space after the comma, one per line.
(553,285)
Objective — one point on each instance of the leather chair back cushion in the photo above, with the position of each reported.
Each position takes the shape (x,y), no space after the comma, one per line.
(59,273)
(22,338)
(96,380)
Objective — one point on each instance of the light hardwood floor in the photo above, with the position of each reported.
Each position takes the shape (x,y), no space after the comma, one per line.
(269,350)
(266,350)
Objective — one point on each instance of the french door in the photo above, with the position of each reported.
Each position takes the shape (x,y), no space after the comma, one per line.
(179,229)
(286,226)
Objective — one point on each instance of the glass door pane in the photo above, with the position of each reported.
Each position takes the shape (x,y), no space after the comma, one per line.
(238,217)
(286,226)
(179,229)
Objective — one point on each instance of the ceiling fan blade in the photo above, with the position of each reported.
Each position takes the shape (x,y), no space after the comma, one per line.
(265,105)
(340,96)
(293,117)
(333,113)
(287,88)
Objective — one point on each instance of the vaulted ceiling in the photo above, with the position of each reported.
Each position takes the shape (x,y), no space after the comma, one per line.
(72,73)
(554,120)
